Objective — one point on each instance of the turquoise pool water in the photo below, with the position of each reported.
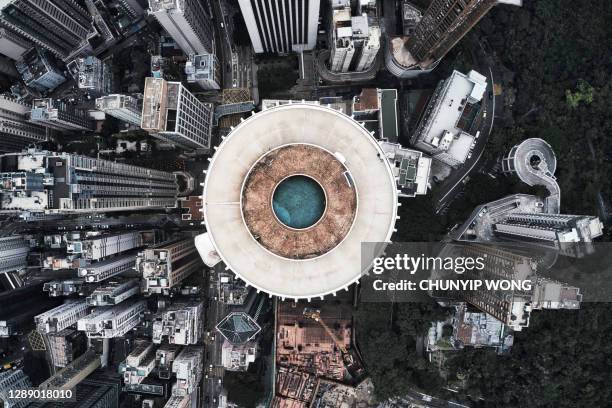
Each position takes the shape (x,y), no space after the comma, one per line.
(298,202)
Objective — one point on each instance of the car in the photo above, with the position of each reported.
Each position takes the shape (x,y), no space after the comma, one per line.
(469,155)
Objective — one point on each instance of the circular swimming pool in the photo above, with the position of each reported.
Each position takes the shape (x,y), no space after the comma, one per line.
(298,202)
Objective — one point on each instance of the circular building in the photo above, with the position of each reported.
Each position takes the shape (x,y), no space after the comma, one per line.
(290,196)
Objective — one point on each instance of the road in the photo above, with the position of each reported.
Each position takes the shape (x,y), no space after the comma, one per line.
(212,381)
(235,62)
(451,185)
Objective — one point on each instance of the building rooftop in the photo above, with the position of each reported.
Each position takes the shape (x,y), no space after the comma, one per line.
(238,327)
(347,144)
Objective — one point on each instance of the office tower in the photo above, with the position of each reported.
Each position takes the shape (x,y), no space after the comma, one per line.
(428,36)
(60,115)
(104,32)
(166,265)
(355,40)
(12,380)
(91,74)
(12,44)
(513,305)
(187,21)
(139,363)
(64,345)
(19,306)
(133,8)
(58,26)
(443,24)
(444,128)
(555,229)
(114,293)
(204,70)
(172,113)
(16,132)
(100,271)
(105,245)
(180,323)
(61,317)
(123,107)
(74,372)
(62,183)
(281,27)
(113,321)
(188,368)
(39,70)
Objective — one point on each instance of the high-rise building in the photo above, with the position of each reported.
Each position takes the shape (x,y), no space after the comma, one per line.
(429,36)
(39,70)
(123,107)
(113,321)
(12,44)
(555,229)
(91,74)
(445,126)
(180,323)
(204,70)
(60,115)
(443,24)
(15,131)
(61,317)
(60,26)
(100,271)
(166,265)
(513,305)
(281,27)
(173,114)
(355,40)
(188,367)
(139,363)
(114,293)
(61,183)
(188,22)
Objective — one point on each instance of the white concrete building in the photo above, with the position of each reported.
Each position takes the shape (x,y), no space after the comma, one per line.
(99,271)
(188,22)
(171,113)
(444,130)
(204,70)
(166,265)
(123,107)
(281,27)
(46,182)
(180,323)
(113,321)
(61,317)
(355,40)
(188,367)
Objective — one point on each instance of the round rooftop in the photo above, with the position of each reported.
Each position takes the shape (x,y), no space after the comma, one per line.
(290,196)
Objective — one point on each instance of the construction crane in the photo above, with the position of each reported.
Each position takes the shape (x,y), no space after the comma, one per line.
(315,315)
